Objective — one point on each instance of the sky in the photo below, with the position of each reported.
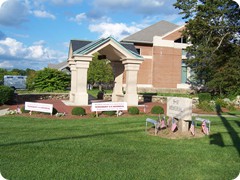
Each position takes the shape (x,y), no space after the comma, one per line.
(34,33)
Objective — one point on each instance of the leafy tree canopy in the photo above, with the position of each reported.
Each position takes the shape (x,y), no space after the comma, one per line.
(50,80)
(213,29)
(100,71)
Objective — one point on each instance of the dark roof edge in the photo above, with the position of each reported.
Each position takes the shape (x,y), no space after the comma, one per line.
(133,41)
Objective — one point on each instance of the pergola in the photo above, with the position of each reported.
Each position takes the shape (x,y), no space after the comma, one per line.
(122,56)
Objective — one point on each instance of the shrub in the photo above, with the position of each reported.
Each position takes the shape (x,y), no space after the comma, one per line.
(54,111)
(7,94)
(231,107)
(79,111)
(23,110)
(157,110)
(206,106)
(204,97)
(221,103)
(133,110)
(109,113)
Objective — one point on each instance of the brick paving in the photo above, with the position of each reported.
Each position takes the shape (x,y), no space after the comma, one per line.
(60,106)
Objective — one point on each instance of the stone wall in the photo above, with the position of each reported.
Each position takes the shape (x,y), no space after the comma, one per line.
(33,97)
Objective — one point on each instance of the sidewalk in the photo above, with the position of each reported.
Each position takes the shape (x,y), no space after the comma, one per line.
(3,111)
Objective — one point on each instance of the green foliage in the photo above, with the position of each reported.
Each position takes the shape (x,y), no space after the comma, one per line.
(204,97)
(221,103)
(213,29)
(31,74)
(109,113)
(206,106)
(79,111)
(157,110)
(6,94)
(133,110)
(99,71)
(49,80)
(23,110)
(54,111)
(231,107)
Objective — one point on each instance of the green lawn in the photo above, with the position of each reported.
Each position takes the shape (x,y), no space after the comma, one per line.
(114,148)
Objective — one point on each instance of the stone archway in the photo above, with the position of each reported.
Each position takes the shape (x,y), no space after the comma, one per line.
(122,58)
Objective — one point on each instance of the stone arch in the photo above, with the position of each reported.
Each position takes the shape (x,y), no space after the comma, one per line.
(123,56)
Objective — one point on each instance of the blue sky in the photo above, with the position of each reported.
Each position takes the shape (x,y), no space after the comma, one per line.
(34,33)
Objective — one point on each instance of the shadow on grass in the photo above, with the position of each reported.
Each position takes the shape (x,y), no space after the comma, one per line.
(217,138)
(69,138)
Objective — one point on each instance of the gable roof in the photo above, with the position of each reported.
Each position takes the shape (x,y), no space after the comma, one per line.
(146,35)
(84,47)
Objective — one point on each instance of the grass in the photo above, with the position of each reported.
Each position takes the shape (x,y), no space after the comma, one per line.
(114,148)
(94,92)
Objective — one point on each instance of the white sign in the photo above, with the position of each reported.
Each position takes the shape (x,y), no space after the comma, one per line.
(109,106)
(40,107)
(180,108)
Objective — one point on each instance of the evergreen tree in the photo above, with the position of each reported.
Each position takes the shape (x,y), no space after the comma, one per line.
(213,29)
(49,80)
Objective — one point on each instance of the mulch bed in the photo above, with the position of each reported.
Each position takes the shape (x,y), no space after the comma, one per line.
(167,133)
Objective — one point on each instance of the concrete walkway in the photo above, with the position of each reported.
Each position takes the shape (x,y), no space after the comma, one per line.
(3,111)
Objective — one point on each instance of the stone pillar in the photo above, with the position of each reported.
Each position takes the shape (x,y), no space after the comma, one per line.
(73,82)
(118,69)
(81,95)
(131,96)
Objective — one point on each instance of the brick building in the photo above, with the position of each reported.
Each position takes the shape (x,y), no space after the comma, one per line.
(161,45)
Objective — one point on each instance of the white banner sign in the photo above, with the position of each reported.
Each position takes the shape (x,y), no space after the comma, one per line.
(109,106)
(40,107)
(180,108)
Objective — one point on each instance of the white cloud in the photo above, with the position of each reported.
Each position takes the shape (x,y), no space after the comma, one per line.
(43,14)
(139,6)
(117,30)
(78,18)
(35,56)
(13,12)
(6,64)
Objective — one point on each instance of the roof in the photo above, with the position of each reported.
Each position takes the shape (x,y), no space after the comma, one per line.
(77,44)
(85,47)
(61,65)
(146,35)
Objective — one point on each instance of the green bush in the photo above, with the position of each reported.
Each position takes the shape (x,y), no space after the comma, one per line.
(6,94)
(157,110)
(23,110)
(109,113)
(54,111)
(204,97)
(133,110)
(79,111)
(206,106)
(221,103)
(231,107)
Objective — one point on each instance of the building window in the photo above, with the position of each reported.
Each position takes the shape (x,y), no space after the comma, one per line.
(184,72)
(138,50)
(181,40)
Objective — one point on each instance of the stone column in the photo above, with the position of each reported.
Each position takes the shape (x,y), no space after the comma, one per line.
(81,95)
(73,81)
(118,69)
(131,96)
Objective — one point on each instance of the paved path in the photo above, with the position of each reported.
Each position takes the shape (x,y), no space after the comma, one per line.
(3,111)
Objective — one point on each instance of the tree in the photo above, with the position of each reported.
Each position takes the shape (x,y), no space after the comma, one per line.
(213,29)
(100,71)
(50,80)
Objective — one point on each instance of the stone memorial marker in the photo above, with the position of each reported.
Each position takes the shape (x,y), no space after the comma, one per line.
(180,108)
